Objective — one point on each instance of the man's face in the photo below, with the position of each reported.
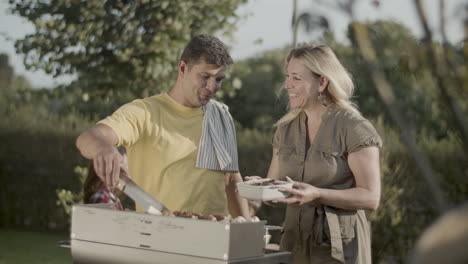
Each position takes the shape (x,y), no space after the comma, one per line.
(200,82)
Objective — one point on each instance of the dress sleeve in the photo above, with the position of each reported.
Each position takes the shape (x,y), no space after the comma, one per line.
(362,134)
(128,122)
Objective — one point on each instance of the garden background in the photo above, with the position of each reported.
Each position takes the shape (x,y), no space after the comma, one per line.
(413,89)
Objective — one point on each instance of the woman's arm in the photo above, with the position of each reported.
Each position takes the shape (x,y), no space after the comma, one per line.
(366,195)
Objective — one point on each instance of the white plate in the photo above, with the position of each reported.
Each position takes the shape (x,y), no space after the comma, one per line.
(263,193)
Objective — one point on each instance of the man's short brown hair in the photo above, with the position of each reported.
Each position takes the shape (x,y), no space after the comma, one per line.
(210,48)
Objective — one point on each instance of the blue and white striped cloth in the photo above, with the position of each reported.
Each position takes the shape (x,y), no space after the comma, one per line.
(218,144)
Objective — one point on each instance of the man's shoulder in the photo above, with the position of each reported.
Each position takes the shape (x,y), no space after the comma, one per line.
(158,98)
(151,103)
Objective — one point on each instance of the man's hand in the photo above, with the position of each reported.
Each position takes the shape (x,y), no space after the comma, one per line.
(237,205)
(98,144)
(107,164)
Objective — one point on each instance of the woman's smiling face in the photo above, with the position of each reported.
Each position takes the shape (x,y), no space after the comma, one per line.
(301,84)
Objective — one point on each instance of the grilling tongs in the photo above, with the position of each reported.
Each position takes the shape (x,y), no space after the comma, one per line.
(149,204)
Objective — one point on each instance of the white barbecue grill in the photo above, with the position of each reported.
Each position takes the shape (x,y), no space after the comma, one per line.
(102,235)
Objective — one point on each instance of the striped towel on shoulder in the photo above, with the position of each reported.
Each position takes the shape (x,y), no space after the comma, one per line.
(218,144)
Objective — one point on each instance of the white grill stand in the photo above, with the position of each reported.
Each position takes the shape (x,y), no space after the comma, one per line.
(90,252)
(102,235)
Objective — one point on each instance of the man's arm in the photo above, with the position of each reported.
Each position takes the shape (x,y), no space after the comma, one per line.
(98,144)
(273,171)
(237,205)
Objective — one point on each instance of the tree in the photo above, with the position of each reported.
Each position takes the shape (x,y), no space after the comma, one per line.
(11,84)
(6,73)
(117,45)
(252,95)
(400,59)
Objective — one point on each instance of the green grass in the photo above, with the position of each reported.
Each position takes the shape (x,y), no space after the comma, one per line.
(32,247)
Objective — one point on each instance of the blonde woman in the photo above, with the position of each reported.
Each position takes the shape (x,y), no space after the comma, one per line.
(332,154)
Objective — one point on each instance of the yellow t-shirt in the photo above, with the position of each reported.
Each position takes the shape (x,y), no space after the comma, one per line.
(161,137)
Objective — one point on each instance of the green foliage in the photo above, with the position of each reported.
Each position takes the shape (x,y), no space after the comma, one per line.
(407,206)
(121,44)
(9,82)
(403,61)
(67,198)
(254,151)
(118,45)
(395,212)
(258,103)
(37,157)
(6,73)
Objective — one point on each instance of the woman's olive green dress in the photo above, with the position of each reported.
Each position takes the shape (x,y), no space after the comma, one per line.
(314,232)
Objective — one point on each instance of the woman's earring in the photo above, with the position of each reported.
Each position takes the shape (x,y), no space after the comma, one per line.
(322,99)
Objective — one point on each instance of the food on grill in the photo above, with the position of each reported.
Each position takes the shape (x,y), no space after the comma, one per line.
(241,219)
(200,216)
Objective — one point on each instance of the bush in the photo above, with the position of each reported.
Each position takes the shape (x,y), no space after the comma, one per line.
(37,157)
(407,205)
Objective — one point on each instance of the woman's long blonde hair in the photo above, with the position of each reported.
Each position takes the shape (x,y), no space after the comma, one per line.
(322,61)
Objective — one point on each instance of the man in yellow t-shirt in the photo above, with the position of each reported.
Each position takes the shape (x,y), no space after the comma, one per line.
(162,135)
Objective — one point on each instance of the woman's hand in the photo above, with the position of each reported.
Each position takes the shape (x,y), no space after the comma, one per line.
(302,193)
(249,178)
